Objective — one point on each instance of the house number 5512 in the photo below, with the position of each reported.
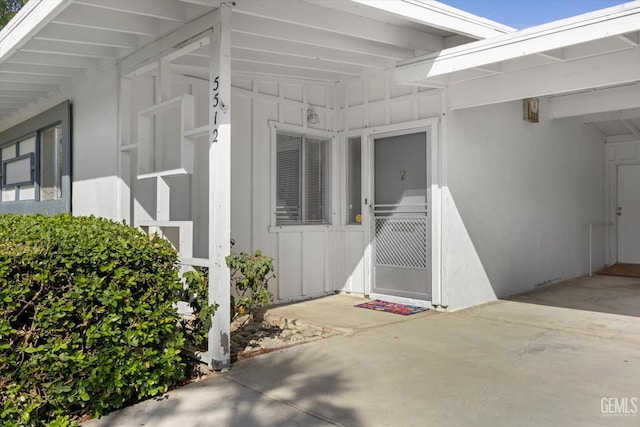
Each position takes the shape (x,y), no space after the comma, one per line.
(215,102)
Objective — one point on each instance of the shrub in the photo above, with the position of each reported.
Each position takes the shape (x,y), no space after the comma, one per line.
(87,318)
(196,293)
(250,275)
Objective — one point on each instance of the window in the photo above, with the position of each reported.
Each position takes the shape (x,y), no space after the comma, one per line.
(354,181)
(302,179)
(34,159)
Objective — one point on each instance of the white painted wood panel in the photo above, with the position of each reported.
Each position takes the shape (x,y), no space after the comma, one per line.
(313,259)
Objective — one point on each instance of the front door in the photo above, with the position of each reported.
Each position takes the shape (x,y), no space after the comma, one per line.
(401,221)
(629,214)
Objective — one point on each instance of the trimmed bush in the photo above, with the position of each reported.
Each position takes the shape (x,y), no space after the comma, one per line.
(87,318)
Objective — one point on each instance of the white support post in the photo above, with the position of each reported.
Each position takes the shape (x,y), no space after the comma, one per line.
(219,353)
(163,199)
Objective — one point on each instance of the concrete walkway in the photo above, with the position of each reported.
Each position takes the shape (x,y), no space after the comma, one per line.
(564,356)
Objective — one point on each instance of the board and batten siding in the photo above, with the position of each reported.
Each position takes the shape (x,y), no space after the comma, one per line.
(310,260)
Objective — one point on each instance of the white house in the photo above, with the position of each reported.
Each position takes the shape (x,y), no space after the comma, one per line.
(404,150)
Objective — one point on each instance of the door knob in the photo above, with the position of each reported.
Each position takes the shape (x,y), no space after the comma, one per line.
(619,212)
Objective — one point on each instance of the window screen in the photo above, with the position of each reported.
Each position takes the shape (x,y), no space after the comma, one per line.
(354,181)
(302,182)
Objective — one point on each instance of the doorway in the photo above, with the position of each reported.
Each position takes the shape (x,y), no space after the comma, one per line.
(628,214)
(401,223)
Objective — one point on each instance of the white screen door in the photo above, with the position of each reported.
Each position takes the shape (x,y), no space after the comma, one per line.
(401,221)
(629,214)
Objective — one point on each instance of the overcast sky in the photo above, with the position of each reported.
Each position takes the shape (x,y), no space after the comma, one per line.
(527,13)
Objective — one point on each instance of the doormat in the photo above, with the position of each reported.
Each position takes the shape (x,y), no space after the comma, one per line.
(623,270)
(391,307)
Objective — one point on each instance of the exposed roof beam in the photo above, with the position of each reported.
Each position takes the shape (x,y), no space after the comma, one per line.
(631,127)
(71,34)
(15,100)
(206,3)
(630,113)
(285,71)
(320,18)
(88,17)
(268,58)
(596,131)
(298,62)
(597,25)
(562,77)
(58,60)
(43,70)
(440,16)
(27,22)
(169,10)
(290,32)
(593,103)
(22,93)
(13,86)
(32,79)
(71,49)
(265,44)
(621,138)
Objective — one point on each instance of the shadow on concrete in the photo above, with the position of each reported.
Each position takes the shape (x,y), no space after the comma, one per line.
(602,294)
(273,390)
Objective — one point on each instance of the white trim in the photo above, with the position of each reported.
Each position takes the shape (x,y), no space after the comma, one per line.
(431,127)
(604,23)
(438,15)
(303,131)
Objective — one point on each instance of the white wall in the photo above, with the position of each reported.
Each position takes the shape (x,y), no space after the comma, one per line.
(94,138)
(519,202)
(95,145)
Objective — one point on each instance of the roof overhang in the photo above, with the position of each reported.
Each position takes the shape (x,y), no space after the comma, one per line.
(593,50)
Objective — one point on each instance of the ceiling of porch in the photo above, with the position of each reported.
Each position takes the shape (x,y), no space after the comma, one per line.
(322,40)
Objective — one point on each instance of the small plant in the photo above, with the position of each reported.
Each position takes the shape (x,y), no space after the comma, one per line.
(196,294)
(250,275)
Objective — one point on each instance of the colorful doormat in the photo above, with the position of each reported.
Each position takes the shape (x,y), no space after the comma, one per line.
(391,307)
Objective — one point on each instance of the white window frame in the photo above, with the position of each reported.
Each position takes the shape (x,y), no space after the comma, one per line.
(297,130)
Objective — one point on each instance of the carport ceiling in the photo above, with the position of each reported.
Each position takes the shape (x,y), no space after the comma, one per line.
(320,40)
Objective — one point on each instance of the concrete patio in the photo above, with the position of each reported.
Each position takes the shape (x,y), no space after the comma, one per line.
(565,355)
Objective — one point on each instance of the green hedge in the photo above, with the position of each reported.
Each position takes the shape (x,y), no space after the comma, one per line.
(87,318)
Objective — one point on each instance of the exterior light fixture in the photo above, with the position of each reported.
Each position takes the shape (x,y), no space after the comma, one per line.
(531,107)
(312,117)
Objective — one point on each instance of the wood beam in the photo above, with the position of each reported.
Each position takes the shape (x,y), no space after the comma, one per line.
(556,78)
(57,60)
(309,15)
(626,114)
(593,102)
(292,48)
(22,93)
(87,17)
(180,42)
(72,34)
(631,127)
(10,78)
(600,25)
(285,31)
(440,16)
(168,10)
(39,87)
(621,138)
(71,49)
(220,188)
(43,70)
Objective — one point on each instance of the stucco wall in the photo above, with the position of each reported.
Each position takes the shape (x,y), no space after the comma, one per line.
(518,203)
